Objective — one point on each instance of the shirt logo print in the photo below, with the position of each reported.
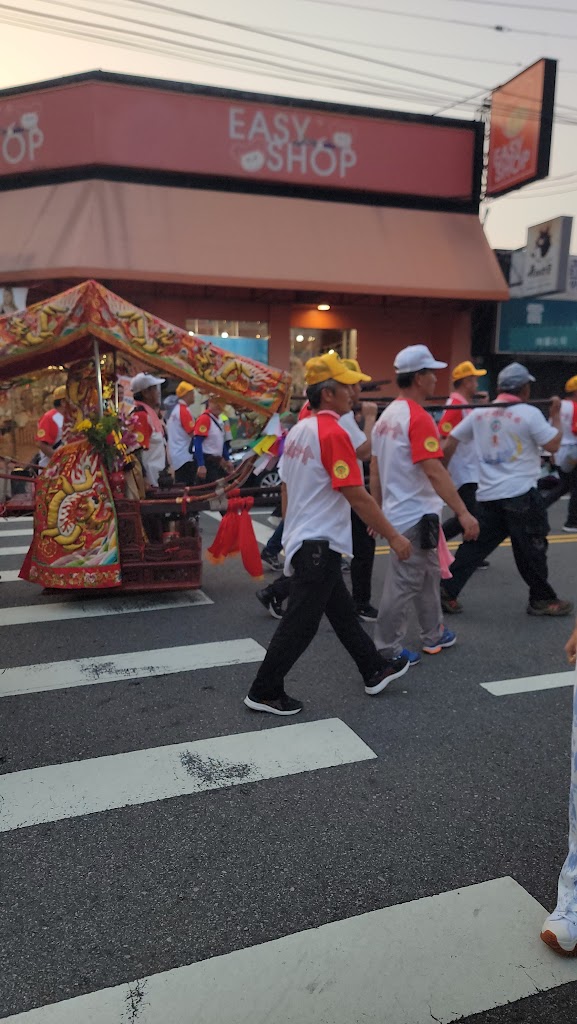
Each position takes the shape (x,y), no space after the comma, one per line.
(341,470)
(431,444)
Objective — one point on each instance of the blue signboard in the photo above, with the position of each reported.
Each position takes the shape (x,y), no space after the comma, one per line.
(252,348)
(537,327)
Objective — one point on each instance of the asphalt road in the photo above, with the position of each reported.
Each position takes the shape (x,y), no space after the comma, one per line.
(465,788)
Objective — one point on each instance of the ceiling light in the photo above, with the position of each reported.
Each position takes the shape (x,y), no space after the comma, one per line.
(323,307)
(300,337)
(191,334)
(224,334)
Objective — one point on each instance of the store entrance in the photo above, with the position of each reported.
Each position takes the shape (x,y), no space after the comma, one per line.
(307,342)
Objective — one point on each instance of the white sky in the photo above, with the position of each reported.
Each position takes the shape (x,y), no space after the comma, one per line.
(476,57)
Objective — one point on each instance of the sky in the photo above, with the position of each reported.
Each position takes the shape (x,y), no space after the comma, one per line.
(418,55)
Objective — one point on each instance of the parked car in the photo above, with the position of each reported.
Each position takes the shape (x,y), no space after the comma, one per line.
(269,478)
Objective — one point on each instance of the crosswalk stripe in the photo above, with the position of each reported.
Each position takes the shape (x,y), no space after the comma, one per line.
(10,576)
(95,607)
(12,520)
(60,675)
(526,684)
(23,532)
(4,552)
(476,948)
(60,791)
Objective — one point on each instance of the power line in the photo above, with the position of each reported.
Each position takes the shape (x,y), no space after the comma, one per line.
(521,7)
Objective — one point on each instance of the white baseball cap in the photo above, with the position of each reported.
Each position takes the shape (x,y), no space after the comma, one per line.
(142,381)
(415,358)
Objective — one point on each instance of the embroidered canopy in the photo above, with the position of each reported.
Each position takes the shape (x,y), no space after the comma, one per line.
(62,330)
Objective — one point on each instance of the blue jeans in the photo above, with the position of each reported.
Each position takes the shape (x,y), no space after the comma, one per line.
(274,543)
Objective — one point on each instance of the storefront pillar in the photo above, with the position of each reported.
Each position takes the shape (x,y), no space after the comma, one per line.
(279,345)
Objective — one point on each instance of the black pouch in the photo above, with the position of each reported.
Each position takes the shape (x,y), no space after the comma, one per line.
(429,531)
(312,561)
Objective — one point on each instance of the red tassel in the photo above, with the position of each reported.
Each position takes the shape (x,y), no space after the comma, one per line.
(248,545)
(226,541)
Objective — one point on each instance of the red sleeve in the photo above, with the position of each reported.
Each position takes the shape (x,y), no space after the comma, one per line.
(202,425)
(186,419)
(574,421)
(423,435)
(338,455)
(141,427)
(47,429)
(305,412)
(450,418)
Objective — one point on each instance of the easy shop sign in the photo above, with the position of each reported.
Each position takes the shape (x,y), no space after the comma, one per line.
(20,139)
(537,326)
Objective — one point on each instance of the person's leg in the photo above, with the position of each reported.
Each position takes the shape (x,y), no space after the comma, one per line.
(273,546)
(402,583)
(493,530)
(362,563)
(528,529)
(554,493)
(571,521)
(297,629)
(452,527)
(185,474)
(341,613)
(428,600)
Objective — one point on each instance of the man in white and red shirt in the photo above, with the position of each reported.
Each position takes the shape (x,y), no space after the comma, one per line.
(464,469)
(508,439)
(566,458)
(321,482)
(211,447)
(180,431)
(409,480)
(49,429)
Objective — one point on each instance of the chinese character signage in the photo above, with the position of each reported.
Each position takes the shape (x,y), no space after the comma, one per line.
(537,326)
(521,123)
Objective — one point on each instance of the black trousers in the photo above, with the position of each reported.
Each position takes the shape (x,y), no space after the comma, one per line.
(452,527)
(306,606)
(185,474)
(362,563)
(524,520)
(567,484)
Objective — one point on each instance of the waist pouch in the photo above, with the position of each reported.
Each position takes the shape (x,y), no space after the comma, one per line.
(312,561)
(429,531)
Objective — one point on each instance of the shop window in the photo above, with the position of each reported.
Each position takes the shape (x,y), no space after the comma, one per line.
(308,342)
(243,337)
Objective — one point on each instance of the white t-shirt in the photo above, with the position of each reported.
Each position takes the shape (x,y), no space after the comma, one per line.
(212,433)
(464,466)
(357,436)
(568,428)
(49,430)
(403,436)
(180,428)
(507,442)
(318,459)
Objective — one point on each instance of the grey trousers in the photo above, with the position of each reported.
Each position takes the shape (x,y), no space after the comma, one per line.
(418,580)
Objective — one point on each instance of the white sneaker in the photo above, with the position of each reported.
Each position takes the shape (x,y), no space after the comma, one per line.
(559,932)
(569,529)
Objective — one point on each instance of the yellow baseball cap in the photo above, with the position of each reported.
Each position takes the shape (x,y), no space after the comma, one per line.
(59,393)
(352,364)
(467,369)
(571,384)
(331,367)
(184,388)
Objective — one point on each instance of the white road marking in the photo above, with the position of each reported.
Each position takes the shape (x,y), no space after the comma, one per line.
(24,532)
(98,784)
(10,576)
(13,551)
(550,681)
(262,533)
(109,668)
(440,958)
(111,605)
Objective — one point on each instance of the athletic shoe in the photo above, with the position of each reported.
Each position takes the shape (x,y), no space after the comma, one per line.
(450,605)
(367,613)
(270,602)
(447,640)
(284,705)
(271,561)
(559,932)
(484,564)
(414,658)
(390,670)
(556,608)
(569,529)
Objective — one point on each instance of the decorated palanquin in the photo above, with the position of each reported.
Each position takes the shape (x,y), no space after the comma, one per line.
(87,534)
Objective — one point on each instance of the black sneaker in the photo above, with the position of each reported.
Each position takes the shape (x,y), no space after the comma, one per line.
(367,613)
(271,603)
(484,564)
(390,670)
(285,705)
(271,561)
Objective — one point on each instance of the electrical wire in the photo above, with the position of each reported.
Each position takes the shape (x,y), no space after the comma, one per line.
(521,7)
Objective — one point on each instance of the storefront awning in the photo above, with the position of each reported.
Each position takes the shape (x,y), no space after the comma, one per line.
(124,231)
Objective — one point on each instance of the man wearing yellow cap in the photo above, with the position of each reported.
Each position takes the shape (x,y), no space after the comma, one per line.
(49,429)
(566,458)
(180,431)
(321,482)
(464,467)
